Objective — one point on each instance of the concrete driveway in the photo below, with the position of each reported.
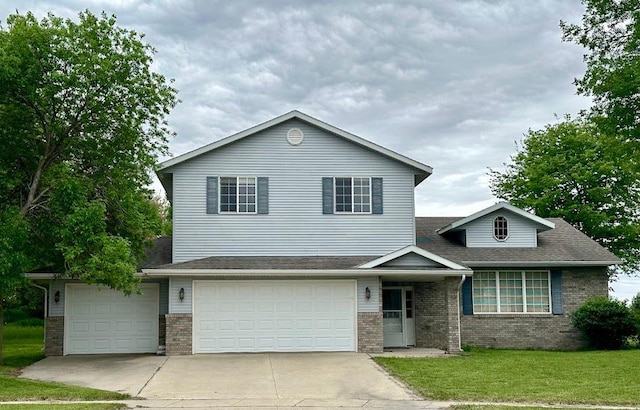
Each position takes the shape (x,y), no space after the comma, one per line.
(280,378)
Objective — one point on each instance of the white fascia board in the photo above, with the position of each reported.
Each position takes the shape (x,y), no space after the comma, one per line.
(426,169)
(306,272)
(495,207)
(412,249)
(537,264)
(40,275)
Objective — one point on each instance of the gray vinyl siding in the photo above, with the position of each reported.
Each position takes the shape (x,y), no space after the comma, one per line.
(175,304)
(522,232)
(373,304)
(412,259)
(56,309)
(295,224)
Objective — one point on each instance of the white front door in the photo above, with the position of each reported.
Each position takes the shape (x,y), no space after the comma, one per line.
(100,320)
(398,326)
(274,316)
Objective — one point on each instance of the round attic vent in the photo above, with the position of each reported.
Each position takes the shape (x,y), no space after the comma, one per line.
(295,136)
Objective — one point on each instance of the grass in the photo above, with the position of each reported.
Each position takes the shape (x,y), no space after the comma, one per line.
(72,406)
(504,407)
(591,377)
(23,346)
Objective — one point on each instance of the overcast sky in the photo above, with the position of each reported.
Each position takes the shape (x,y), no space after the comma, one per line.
(452,84)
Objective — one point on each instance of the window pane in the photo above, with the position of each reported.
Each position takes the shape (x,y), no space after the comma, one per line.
(228,191)
(537,292)
(343,195)
(511,292)
(246,195)
(500,228)
(361,195)
(484,292)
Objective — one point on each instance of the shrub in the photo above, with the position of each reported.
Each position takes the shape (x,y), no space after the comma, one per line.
(605,323)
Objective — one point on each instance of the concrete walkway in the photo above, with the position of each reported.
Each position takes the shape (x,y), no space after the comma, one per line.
(311,404)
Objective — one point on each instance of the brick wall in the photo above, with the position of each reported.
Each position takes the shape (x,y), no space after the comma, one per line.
(370,328)
(370,332)
(54,337)
(162,330)
(430,304)
(538,331)
(178,333)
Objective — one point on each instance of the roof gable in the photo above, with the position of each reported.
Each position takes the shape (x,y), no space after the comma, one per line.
(429,259)
(423,170)
(540,223)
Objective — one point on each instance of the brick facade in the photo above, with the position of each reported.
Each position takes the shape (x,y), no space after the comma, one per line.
(162,330)
(178,333)
(538,331)
(436,314)
(54,336)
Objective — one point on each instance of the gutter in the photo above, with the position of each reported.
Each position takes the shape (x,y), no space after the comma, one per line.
(494,264)
(307,272)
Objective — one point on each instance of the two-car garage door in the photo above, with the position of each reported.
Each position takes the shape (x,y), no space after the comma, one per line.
(100,320)
(272,316)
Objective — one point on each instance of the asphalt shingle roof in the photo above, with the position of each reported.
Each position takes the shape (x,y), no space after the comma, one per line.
(562,244)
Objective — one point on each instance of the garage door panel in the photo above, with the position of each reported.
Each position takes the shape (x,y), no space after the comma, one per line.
(316,316)
(106,321)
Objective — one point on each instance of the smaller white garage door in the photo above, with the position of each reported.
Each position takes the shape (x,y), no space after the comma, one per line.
(100,320)
(274,316)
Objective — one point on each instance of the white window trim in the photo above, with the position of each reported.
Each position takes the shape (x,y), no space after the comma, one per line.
(524,294)
(335,202)
(493,228)
(237,211)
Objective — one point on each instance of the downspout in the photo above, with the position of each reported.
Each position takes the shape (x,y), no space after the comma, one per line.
(46,311)
(464,277)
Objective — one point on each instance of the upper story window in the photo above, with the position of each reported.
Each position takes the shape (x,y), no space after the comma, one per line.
(353,195)
(500,228)
(238,195)
(511,292)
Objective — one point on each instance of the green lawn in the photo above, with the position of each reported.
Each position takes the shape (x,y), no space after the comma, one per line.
(501,407)
(73,406)
(594,377)
(23,346)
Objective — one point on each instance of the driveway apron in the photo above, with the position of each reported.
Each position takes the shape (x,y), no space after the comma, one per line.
(260,376)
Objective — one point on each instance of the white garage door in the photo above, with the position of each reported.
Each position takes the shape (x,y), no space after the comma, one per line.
(100,320)
(274,316)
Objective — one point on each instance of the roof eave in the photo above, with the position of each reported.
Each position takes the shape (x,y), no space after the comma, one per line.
(486,211)
(424,170)
(524,264)
(305,272)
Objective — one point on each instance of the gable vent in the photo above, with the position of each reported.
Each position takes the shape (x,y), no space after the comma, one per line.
(295,136)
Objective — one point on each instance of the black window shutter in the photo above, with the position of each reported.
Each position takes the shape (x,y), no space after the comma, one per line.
(467,296)
(327,195)
(556,292)
(376,195)
(263,195)
(212,195)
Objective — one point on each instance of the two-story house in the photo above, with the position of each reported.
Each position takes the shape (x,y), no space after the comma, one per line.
(295,235)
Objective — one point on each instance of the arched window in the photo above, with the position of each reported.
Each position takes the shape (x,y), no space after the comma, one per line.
(500,228)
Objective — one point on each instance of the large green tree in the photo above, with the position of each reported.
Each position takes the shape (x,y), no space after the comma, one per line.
(83,122)
(572,170)
(610,33)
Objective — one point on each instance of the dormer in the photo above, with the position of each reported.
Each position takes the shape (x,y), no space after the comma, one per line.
(499,226)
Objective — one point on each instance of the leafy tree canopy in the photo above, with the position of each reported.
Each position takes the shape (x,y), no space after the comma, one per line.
(610,32)
(83,118)
(574,171)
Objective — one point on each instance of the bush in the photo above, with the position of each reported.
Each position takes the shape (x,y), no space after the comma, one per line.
(605,323)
